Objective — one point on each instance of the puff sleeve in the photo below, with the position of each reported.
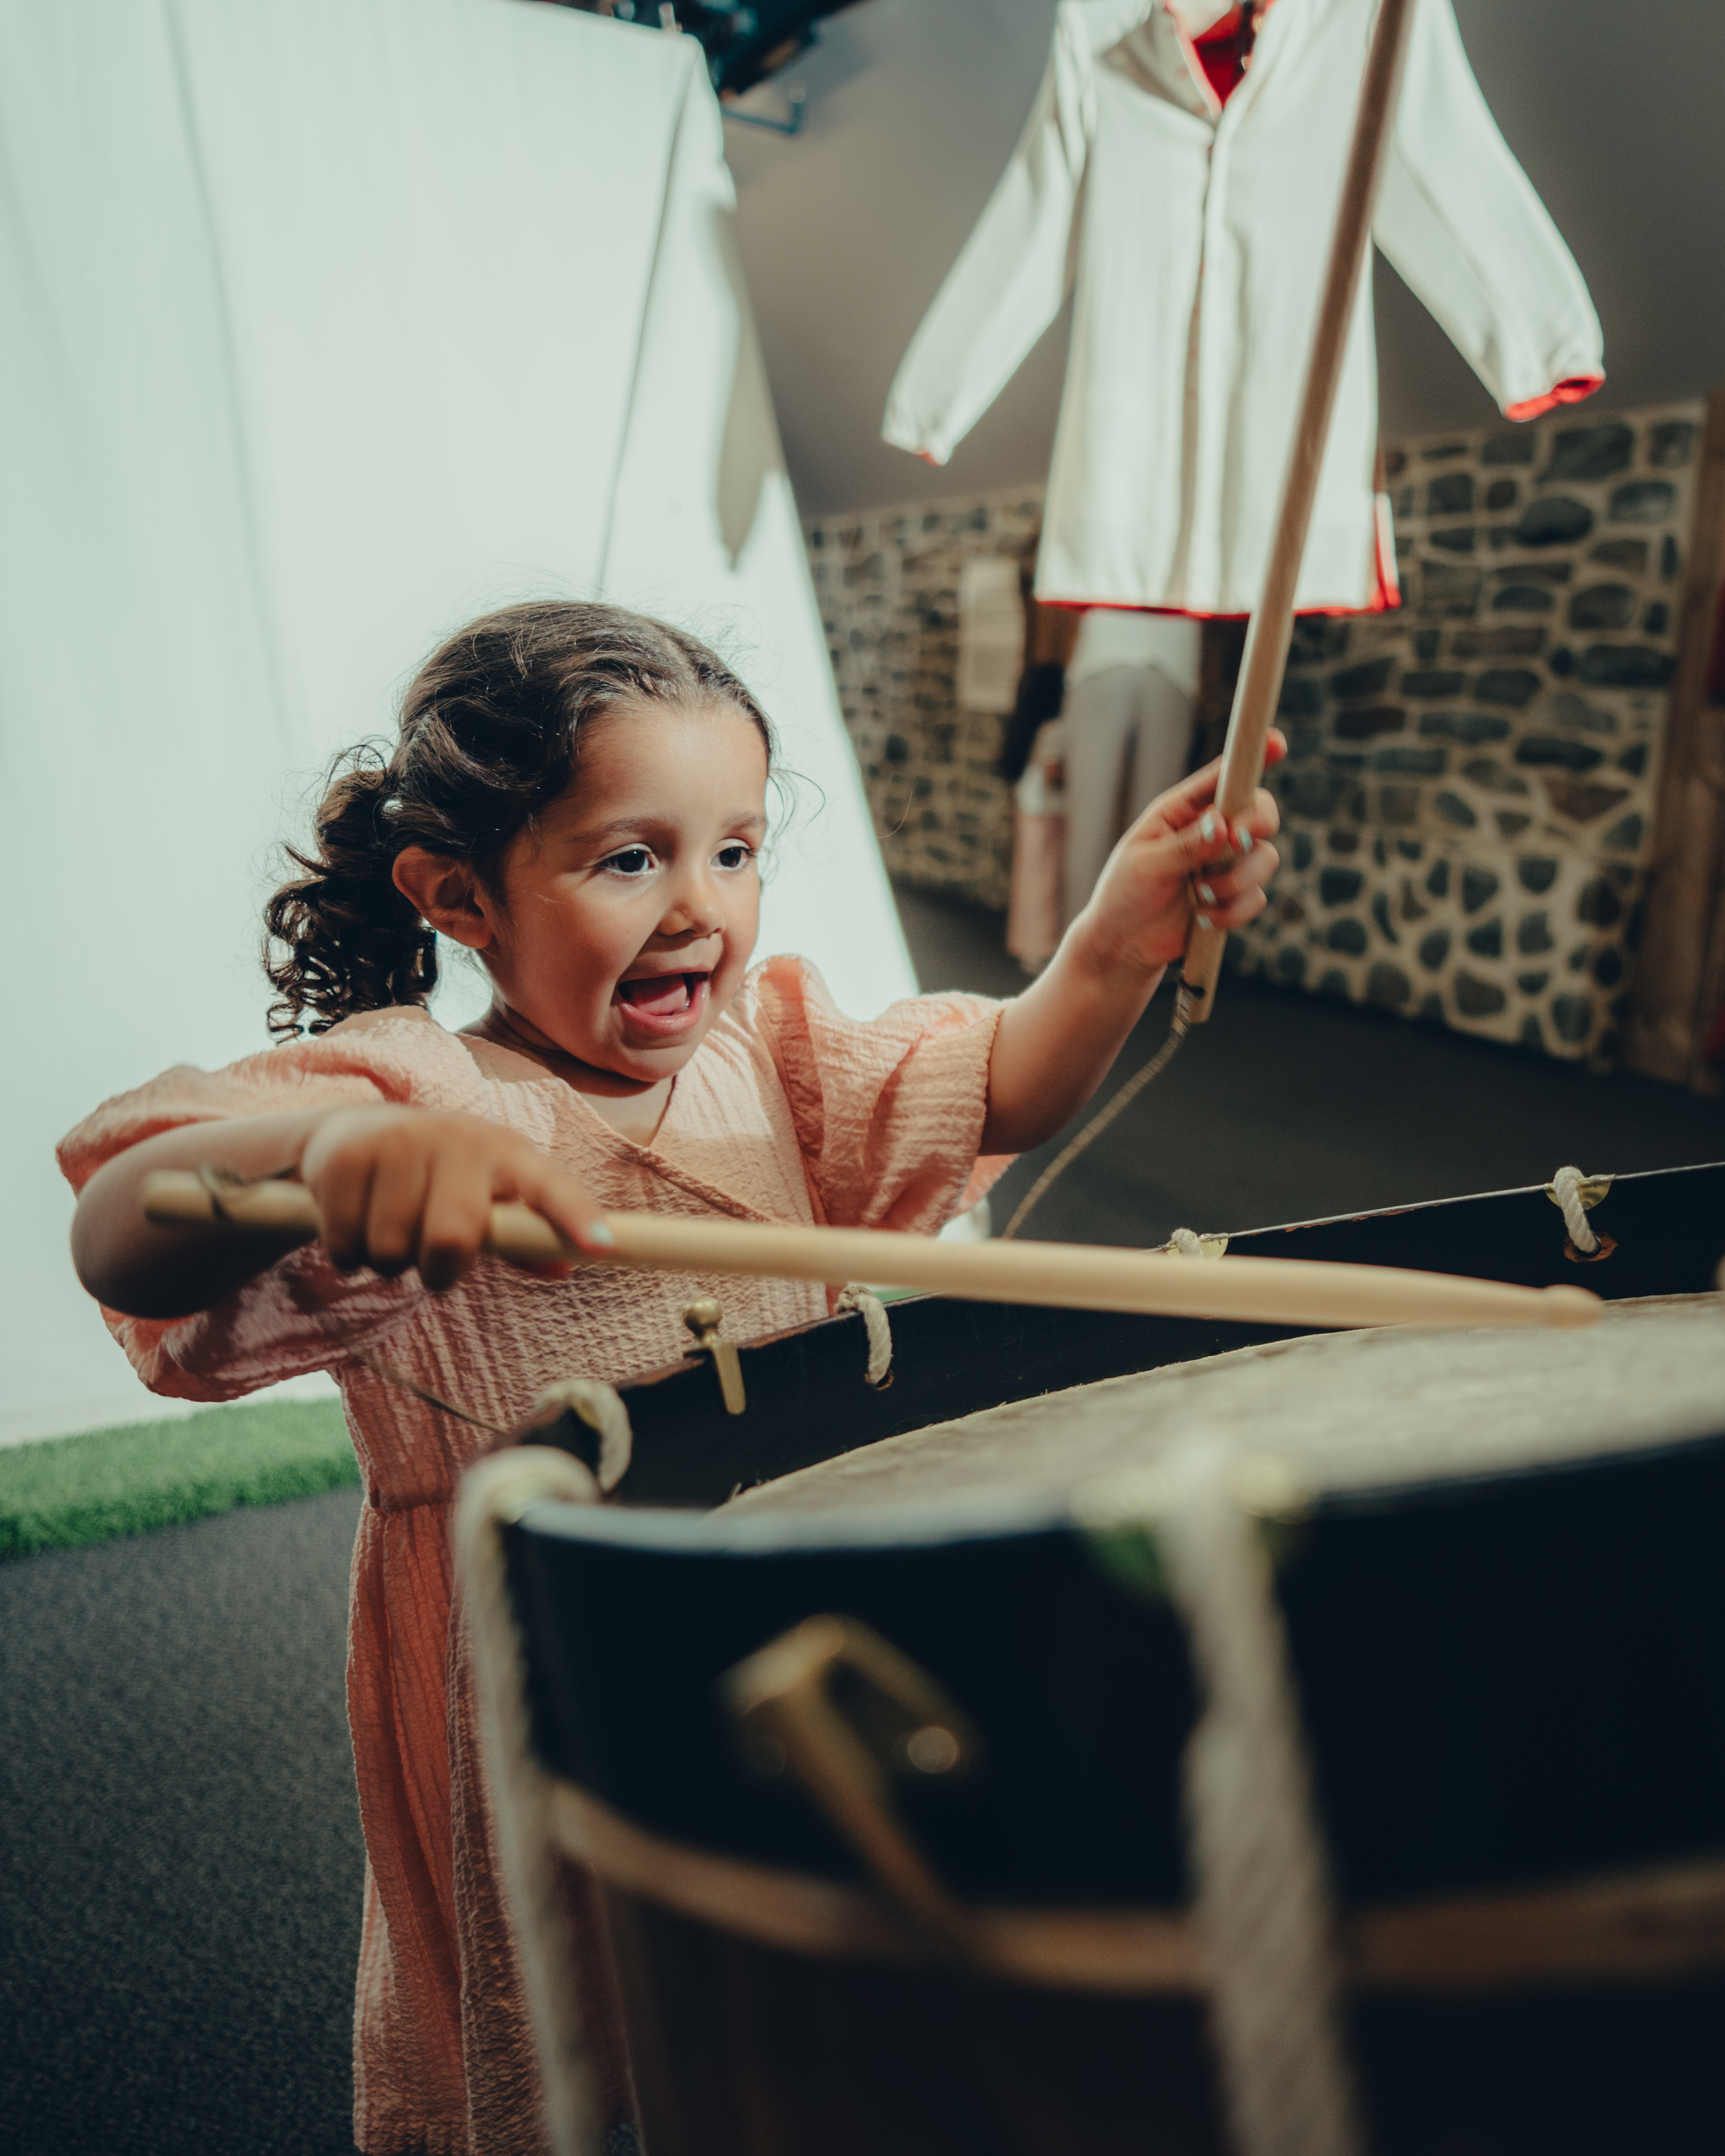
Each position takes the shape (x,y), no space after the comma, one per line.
(888,1112)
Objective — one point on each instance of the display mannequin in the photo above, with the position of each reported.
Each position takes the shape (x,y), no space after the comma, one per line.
(1127,727)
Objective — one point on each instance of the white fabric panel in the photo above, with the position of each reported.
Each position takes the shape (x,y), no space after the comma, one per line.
(705,532)
(320,330)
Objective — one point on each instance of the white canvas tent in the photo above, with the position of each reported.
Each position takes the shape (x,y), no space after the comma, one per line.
(321,328)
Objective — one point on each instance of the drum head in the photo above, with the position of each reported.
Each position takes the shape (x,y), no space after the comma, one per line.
(1344,1411)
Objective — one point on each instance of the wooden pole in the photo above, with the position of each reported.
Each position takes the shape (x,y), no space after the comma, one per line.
(1258,1290)
(1266,648)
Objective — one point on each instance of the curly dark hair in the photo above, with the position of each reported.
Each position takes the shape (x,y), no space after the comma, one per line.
(488,738)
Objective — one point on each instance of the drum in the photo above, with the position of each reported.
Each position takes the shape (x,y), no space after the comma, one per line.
(1298,1743)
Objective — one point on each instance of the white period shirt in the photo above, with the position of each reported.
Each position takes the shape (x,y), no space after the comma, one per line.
(1196,235)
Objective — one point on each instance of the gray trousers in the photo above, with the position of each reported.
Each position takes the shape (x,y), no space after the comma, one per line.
(1128,738)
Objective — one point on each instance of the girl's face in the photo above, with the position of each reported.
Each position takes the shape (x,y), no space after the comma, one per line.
(630,913)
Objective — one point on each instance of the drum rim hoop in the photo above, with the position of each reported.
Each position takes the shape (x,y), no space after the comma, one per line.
(1005,1515)
(1005,1511)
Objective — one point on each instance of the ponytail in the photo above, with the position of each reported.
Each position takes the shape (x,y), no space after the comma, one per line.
(488,740)
(352,941)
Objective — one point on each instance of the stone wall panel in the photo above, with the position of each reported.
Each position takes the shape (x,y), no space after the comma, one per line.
(888,587)
(1469,791)
(1494,796)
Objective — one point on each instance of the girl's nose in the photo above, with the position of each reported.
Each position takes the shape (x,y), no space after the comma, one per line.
(695,909)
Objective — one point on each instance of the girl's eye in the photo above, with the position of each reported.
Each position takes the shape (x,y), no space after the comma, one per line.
(633,861)
(736,855)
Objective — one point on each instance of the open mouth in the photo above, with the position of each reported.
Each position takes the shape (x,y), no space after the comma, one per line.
(664,1002)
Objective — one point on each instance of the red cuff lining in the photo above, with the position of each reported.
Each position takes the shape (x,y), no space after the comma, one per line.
(1386,595)
(1384,599)
(1569,391)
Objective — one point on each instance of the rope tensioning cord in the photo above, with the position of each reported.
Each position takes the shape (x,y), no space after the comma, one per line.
(1116,1103)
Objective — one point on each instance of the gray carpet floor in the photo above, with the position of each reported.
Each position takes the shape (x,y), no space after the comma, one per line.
(180,1856)
(179,1860)
(1289,1106)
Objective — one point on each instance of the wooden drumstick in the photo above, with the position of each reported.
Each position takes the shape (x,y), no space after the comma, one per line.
(1074,1276)
(1272,622)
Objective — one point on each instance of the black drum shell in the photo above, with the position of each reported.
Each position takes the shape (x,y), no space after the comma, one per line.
(1506,1680)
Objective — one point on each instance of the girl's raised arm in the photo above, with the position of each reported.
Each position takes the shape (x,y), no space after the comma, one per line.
(1056,1042)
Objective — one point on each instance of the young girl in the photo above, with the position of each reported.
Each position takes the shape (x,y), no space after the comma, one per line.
(579,795)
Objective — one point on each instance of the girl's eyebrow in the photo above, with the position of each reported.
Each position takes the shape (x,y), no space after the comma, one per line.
(599,834)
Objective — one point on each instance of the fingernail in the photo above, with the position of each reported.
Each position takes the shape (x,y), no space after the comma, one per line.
(601,1235)
(1203,921)
(1243,838)
(1206,894)
(1207,830)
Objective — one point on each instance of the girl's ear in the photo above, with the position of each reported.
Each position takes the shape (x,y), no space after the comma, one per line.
(448,894)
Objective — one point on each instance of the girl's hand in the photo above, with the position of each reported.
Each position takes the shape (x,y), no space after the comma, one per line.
(1054,1043)
(402,1187)
(1164,873)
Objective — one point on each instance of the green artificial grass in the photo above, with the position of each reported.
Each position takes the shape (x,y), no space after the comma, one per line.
(66,1492)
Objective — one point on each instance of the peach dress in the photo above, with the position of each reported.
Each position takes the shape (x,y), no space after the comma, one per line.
(788,1111)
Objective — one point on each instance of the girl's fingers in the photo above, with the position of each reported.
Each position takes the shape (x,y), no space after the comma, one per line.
(401,1188)
(452,1225)
(1247,907)
(398,1185)
(343,1191)
(1210,837)
(1218,886)
(1185,803)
